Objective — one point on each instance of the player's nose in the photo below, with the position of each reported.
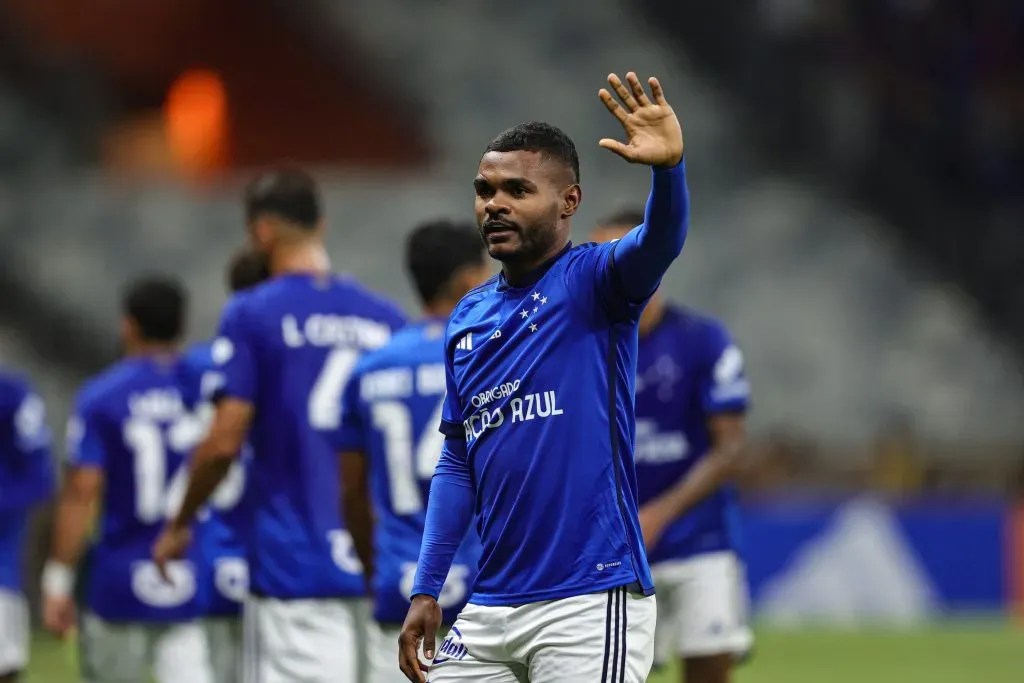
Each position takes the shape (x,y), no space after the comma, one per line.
(496,208)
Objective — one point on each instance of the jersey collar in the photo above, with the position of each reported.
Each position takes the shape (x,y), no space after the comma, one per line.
(535,275)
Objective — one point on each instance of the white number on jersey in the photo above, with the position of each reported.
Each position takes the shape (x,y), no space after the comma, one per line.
(404,474)
(455,585)
(325,398)
(343,551)
(149,445)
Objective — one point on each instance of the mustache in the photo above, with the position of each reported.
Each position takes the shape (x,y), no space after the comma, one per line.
(498,224)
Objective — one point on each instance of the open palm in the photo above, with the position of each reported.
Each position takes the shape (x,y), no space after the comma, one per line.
(652,129)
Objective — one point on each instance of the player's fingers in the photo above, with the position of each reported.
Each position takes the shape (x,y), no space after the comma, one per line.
(614,107)
(659,94)
(638,89)
(623,92)
(615,146)
(428,641)
(408,657)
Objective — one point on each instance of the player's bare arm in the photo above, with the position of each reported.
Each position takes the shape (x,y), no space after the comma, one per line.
(77,504)
(357,510)
(210,463)
(722,464)
(655,138)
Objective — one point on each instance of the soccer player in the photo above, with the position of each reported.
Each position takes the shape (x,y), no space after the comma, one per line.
(127,440)
(390,443)
(26,479)
(691,397)
(221,538)
(286,349)
(539,364)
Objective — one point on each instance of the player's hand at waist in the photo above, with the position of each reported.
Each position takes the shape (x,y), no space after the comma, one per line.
(653,134)
(171,545)
(421,625)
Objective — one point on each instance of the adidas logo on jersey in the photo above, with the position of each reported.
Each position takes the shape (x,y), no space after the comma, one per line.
(466,343)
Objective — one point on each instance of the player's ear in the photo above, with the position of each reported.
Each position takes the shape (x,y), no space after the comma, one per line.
(262,232)
(571,198)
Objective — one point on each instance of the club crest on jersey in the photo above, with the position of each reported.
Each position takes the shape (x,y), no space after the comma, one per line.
(534,302)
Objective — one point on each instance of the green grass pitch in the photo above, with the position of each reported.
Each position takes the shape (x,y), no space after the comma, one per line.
(949,652)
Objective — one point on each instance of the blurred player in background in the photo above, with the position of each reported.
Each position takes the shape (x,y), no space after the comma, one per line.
(691,397)
(390,443)
(26,479)
(539,419)
(286,349)
(127,440)
(222,536)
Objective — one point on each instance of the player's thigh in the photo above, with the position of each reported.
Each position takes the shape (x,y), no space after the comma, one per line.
(14,633)
(597,638)
(474,649)
(181,654)
(712,606)
(224,638)
(314,641)
(113,652)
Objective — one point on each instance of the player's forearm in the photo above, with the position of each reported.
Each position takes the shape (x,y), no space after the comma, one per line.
(716,469)
(449,514)
(208,469)
(359,521)
(643,255)
(72,522)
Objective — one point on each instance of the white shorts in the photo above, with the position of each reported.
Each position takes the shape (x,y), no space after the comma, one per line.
(596,638)
(703,605)
(127,653)
(13,632)
(382,651)
(225,637)
(313,641)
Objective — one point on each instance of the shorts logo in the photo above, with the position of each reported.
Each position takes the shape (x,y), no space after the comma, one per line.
(451,648)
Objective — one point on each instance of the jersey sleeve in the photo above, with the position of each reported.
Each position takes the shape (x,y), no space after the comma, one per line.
(451,412)
(83,441)
(724,387)
(351,434)
(233,354)
(594,282)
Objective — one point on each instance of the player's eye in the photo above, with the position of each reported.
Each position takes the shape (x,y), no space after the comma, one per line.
(518,191)
(483,190)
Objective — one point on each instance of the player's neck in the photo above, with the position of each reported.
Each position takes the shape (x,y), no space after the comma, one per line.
(521,273)
(151,350)
(439,309)
(652,315)
(302,257)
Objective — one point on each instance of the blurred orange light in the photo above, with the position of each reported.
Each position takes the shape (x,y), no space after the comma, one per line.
(196,120)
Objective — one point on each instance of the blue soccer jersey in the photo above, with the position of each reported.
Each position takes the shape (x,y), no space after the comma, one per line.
(688,370)
(539,418)
(26,470)
(288,346)
(131,422)
(392,407)
(222,531)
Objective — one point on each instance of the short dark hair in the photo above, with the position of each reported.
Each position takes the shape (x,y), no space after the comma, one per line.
(285,192)
(631,216)
(436,250)
(543,138)
(157,304)
(247,268)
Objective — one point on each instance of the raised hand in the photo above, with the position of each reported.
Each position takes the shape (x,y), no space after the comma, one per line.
(652,129)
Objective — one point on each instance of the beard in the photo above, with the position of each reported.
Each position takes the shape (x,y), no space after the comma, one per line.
(511,242)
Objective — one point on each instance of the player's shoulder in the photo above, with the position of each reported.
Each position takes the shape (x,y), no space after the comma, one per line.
(108,383)
(464,309)
(14,381)
(382,304)
(407,347)
(695,323)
